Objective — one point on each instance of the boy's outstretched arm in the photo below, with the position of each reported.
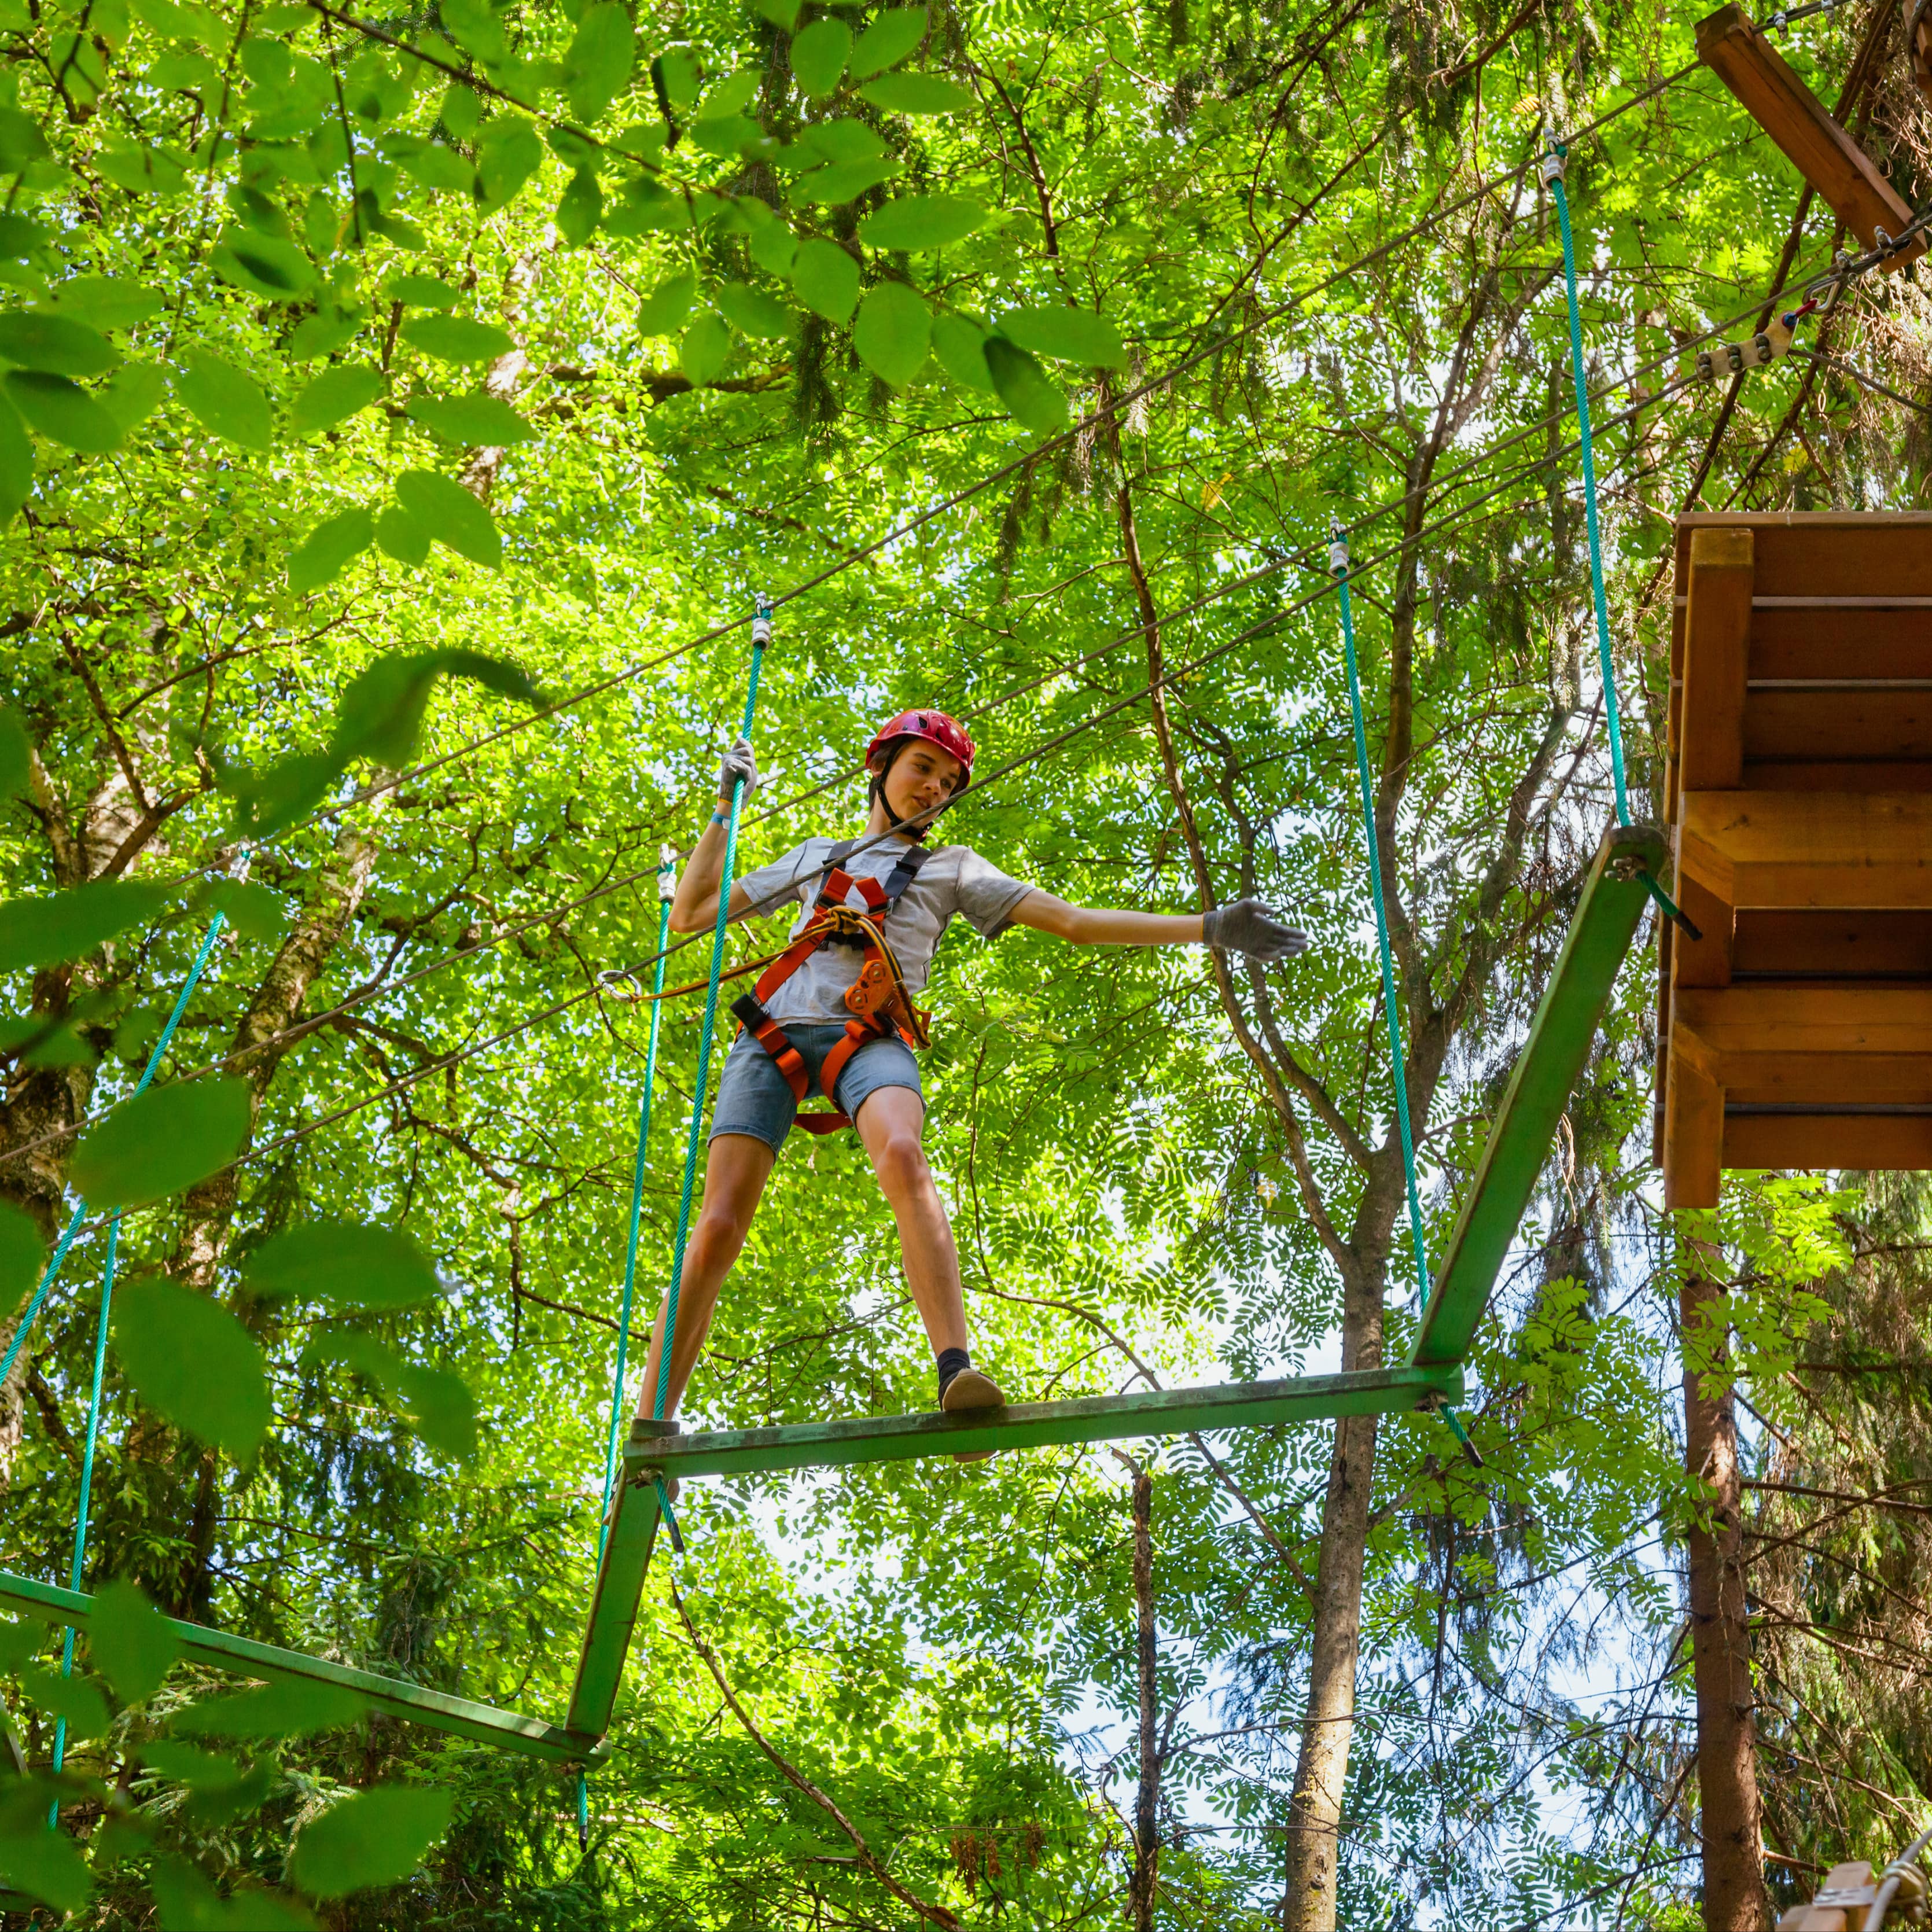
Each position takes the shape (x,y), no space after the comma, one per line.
(1248,925)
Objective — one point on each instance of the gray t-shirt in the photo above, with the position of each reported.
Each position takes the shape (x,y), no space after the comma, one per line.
(954,879)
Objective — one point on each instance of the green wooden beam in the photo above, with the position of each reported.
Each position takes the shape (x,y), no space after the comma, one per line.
(392,1695)
(1614,897)
(1101,1418)
(632,1534)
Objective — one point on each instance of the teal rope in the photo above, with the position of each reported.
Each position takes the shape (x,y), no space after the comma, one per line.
(1553,175)
(1339,561)
(624,1313)
(761,631)
(84,1516)
(66,1241)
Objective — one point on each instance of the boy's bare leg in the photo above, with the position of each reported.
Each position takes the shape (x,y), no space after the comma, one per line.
(889,1123)
(735,1170)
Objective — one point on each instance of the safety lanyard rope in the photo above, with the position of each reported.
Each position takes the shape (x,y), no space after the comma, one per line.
(666,882)
(1338,563)
(83,1515)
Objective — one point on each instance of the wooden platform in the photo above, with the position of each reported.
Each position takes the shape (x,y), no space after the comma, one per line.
(1798,1031)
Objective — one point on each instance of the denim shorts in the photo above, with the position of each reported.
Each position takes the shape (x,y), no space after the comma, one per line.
(754,1098)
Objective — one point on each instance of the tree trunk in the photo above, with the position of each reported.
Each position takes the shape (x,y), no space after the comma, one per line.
(1734,1894)
(1147,1796)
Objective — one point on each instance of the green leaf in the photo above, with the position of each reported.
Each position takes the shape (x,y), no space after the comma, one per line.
(398,535)
(726,135)
(774,247)
(129,1642)
(381,714)
(664,310)
(915,221)
(832,186)
(597,65)
(452,515)
(441,1404)
(916,94)
(223,400)
(347,1266)
(329,548)
(190,1361)
(293,1708)
(579,208)
(269,801)
(1070,334)
(676,71)
(141,170)
(706,347)
(46,1865)
(959,346)
(781,13)
(893,332)
(38,339)
(474,422)
(20,237)
(509,151)
(16,475)
(334,394)
(133,393)
(256,912)
(1024,386)
(423,291)
(105,301)
(891,36)
(23,1256)
(261,265)
(440,168)
(751,312)
(819,54)
(187,1764)
(60,409)
(475,27)
(21,140)
(378,1837)
(159,1142)
(453,338)
(70,925)
(324,333)
(72,1698)
(185,1901)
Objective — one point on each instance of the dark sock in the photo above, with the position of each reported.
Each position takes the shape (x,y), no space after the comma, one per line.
(951,1361)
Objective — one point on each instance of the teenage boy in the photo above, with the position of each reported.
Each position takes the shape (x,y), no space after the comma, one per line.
(834,1015)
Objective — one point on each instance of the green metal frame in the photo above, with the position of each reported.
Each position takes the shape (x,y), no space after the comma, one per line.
(1614,896)
(889,1439)
(483,1722)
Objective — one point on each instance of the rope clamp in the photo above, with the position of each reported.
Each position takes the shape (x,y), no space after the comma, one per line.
(761,626)
(1552,168)
(1338,556)
(1779,21)
(666,874)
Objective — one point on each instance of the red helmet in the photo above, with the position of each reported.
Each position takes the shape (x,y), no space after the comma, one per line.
(948,733)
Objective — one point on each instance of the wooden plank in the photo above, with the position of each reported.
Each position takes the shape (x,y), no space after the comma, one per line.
(1806,1017)
(1693,1134)
(1859,726)
(1705,961)
(1834,944)
(1890,1140)
(1827,554)
(1794,117)
(393,1696)
(1824,849)
(1772,1079)
(1613,901)
(1833,638)
(892,1439)
(1717,634)
(1881,775)
(631,1536)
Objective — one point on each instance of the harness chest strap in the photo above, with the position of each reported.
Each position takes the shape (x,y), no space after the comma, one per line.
(882,1006)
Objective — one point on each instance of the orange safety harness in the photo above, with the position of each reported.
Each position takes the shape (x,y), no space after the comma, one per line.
(882,1009)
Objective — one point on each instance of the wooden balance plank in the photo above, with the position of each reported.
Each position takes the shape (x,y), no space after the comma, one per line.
(482,1722)
(1794,117)
(1822,849)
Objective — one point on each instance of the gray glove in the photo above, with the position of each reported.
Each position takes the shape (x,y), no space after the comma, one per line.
(1255,928)
(739,763)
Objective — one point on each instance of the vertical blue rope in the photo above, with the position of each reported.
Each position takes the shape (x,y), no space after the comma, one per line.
(79,1214)
(83,1517)
(1553,175)
(760,637)
(1339,560)
(666,869)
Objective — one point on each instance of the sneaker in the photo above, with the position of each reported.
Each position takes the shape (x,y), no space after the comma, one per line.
(970,1389)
